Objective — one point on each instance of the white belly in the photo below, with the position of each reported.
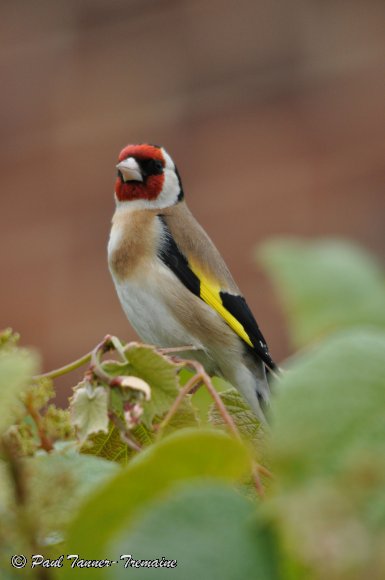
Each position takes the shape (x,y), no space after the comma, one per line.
(149,316)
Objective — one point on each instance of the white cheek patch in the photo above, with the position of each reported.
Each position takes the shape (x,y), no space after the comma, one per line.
(170,190)
(168,160)
(171,187)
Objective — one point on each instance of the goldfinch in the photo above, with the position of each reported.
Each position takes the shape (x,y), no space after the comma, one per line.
(172,282)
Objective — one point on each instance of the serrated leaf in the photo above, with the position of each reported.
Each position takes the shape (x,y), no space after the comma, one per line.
(16,370)
(160,373)
(245,420)
(209,529)
(325,286)
(108,446)
(142,435)
(182,456)
(89,410)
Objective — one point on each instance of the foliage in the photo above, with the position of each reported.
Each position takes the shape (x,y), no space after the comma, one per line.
(325,286)
(151,462)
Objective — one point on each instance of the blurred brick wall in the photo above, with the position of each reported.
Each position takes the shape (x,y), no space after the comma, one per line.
(273,111)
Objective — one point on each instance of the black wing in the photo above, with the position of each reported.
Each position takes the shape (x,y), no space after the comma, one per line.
(233,309)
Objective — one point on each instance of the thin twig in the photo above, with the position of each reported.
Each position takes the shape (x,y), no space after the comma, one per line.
(257,481)
(227,418)
(72,366)
(191,383)
(66,368)
(264,471)
(173,349)
(124,433)
(45,442)
(202,377)
(104,346)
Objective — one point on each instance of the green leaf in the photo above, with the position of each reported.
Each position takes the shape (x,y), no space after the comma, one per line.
(116,401)
(210,530)
(325,286)
(249,428)
(143,435)
(57,482)
(246,421)
(89,409)
(201,399)
(160,373)
(108,446)
(115,368)
(328,453)
(182,456)
(186,416)
(329,405)
(16,370)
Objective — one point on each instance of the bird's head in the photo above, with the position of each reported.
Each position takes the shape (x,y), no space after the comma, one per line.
(147,178)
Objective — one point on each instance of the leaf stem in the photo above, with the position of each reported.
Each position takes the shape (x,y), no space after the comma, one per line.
(257,480)
(72,366)
(173,349)
(200,376)
(191,383)
(264,471)
(66,368)
(227,418)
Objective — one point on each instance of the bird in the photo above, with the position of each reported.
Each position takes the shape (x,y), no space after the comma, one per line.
(172,282)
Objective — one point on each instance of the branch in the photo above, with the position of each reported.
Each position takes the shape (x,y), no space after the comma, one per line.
(200,377)
(188,387)
(45,442)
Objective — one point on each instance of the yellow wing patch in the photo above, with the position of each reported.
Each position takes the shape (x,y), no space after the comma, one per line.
(210,293)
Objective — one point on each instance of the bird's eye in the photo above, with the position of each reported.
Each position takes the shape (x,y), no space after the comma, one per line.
(158,166)
(151,166)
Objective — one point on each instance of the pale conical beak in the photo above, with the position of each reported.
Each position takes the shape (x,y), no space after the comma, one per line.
(130,169)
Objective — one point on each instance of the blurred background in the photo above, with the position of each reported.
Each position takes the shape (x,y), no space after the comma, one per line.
(273,111)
